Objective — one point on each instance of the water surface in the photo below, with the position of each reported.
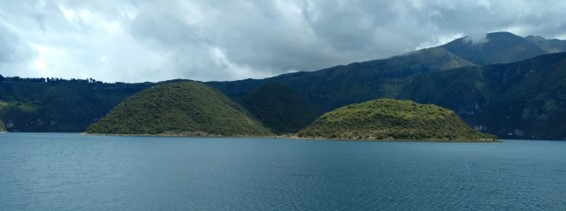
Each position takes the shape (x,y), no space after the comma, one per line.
(42,171)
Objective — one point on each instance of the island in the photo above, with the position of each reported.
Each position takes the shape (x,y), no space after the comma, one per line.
(184,108)
(388,119)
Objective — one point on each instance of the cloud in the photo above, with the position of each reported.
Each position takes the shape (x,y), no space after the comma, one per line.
(143,40)
(476,39)
(13,52)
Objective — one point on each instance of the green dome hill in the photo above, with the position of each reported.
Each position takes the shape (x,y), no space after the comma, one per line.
(388,119)
(186,108)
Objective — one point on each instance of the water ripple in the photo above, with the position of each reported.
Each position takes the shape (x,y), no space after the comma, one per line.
(74,172)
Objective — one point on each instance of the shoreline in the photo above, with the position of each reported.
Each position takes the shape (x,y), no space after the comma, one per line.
(398,140)
(171,135)
(294,137)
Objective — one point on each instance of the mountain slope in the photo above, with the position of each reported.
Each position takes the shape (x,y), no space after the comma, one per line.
(55,105)
(548,45)
(525,99)
(392,119)
(187,108)
(59,105)
(468,92)
(280,109)
(357,82)
(503,47)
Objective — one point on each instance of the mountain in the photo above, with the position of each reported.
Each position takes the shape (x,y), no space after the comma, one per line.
(357,82)
(280,109)
(548,45)
(186,108)
(388,119)
(337,86)
(2,126)
(462,91)
(71,105)
(56,105)
(502,47)
(526,99)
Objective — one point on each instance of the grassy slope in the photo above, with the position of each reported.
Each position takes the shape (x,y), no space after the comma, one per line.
(392,119)
(189,107)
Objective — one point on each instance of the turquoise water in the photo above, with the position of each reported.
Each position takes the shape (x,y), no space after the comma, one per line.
(74,172)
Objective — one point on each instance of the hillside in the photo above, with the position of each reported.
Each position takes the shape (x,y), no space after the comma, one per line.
(2,126)
(357,82)
(280,109)
(186,108)
(519,100)
(479,97)
(56,105)
(388,119)
(337,86)
(503,47)
(548,45)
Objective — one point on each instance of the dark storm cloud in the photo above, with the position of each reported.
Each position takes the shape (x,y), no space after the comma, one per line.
(139,40)
(12,52)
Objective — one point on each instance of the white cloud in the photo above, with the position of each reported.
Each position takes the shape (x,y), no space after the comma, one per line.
(438,40)
(143,40)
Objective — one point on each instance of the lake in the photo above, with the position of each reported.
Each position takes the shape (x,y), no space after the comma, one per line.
(53,171)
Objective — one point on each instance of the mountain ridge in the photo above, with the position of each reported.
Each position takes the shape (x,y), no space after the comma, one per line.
(356,82)
(516,100)
(41,105)
(503,47)
(57,105)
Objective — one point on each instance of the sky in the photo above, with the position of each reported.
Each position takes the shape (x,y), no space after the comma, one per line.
(219,40)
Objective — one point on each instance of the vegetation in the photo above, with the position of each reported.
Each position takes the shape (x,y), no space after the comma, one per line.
(280,109)
(388,119)
(2,126)
(186,108)
(57,105)
(486,97)
(342,85)
(357,82)
(519,100)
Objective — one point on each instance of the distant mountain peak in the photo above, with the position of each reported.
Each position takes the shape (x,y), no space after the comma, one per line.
(477,39)
(502,47)
(502,34)
(434,59)
(548,45)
